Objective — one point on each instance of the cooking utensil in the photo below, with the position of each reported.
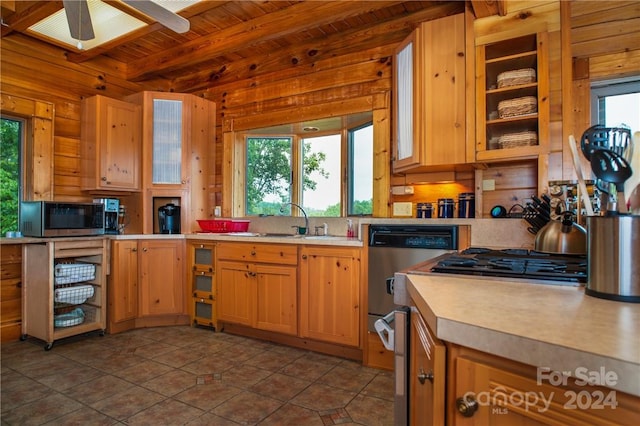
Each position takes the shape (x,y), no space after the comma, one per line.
(616,139)
(612,167)
(583,187)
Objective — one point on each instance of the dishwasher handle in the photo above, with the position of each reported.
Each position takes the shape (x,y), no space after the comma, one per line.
(384,330)
(390,282)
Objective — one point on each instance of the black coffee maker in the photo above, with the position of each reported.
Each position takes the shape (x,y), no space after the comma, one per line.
(169,219)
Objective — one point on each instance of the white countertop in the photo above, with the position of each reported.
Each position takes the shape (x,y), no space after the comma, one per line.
(558,327)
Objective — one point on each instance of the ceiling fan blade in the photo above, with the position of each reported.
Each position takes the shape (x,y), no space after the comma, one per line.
(167,18)
(79,19)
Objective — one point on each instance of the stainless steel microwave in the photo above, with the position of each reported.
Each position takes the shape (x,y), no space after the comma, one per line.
(55,219)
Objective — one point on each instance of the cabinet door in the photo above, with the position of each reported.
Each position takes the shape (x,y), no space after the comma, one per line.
(236,292)
(161,277)
(111,144)
(429,108)
(167,130)
(427,375)
(11,294)
(406,150)
(123,281)
(442,87)
(509,398)
(277,295)
(330,294)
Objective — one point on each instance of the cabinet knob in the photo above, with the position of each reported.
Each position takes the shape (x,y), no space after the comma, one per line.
(193,268)
(210,269)
(304,256)
(201,272)
(157,300)
(103,178)
(467,405)
(134,250)
(145,249)
(201,245)
(422,376)
(253,252)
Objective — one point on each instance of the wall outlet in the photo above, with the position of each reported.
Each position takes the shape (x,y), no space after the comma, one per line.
(217,212)
(402,209)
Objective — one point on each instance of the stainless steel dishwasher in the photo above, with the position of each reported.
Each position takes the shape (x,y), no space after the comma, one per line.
(394,248)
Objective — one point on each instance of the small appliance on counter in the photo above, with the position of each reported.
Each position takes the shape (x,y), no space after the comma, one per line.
(169,219)
(61,219)
(111,208)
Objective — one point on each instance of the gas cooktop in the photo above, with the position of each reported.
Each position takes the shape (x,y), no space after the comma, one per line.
(514,263)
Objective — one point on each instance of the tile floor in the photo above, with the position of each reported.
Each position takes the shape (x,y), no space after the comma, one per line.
(186,376)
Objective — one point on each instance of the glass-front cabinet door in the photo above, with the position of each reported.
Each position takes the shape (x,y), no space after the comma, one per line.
(166,165)
(404,146)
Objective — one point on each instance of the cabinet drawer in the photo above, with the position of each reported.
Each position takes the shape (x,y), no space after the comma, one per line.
(204,312)
(264,253)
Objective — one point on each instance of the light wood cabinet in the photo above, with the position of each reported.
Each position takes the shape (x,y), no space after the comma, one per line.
(257,286)
(147,284)
(429,108)
(203,308)
(11,291)
(123,281)
(64,289)
(427,375)
(111,143)
(512,102)
(161,277)
(178,133)
(330,294)
(494,391)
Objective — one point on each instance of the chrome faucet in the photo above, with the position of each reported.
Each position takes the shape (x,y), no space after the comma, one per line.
(306,218)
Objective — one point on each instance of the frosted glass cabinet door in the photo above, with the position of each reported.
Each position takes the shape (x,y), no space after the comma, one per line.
(404,123)
(167,142)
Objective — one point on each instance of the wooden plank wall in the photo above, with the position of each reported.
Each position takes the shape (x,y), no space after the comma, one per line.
(34,70)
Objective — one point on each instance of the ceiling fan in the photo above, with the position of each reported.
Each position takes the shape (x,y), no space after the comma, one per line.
(81,28)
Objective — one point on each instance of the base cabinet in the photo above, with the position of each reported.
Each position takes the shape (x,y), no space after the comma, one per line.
(146,281)
(330,294)
(486,390)
(11,294)
(427,375)
(262,293)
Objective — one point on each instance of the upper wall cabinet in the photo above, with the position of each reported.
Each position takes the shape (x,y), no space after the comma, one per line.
(512,83)
(429,97)
(111,143)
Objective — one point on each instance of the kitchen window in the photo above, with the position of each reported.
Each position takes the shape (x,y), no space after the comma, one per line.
(616,102)
(313,172)
(12,135)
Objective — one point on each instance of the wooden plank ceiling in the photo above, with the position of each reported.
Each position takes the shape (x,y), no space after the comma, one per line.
(226,38)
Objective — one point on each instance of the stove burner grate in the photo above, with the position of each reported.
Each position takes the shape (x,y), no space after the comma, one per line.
(515,263)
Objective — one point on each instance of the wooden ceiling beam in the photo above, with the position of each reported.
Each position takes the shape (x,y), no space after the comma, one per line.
(484,8)
(313,52)
(194,10)
(26,14)
(294,19)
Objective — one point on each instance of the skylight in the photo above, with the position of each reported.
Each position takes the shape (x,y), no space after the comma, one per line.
(108,22)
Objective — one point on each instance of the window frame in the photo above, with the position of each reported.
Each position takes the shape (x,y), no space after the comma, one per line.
(349,181)
(22,145)
(613,87)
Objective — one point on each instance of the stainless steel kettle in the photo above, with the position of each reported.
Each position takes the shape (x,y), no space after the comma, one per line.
(562,237)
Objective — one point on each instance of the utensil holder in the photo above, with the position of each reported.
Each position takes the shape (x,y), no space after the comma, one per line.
(612,256)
